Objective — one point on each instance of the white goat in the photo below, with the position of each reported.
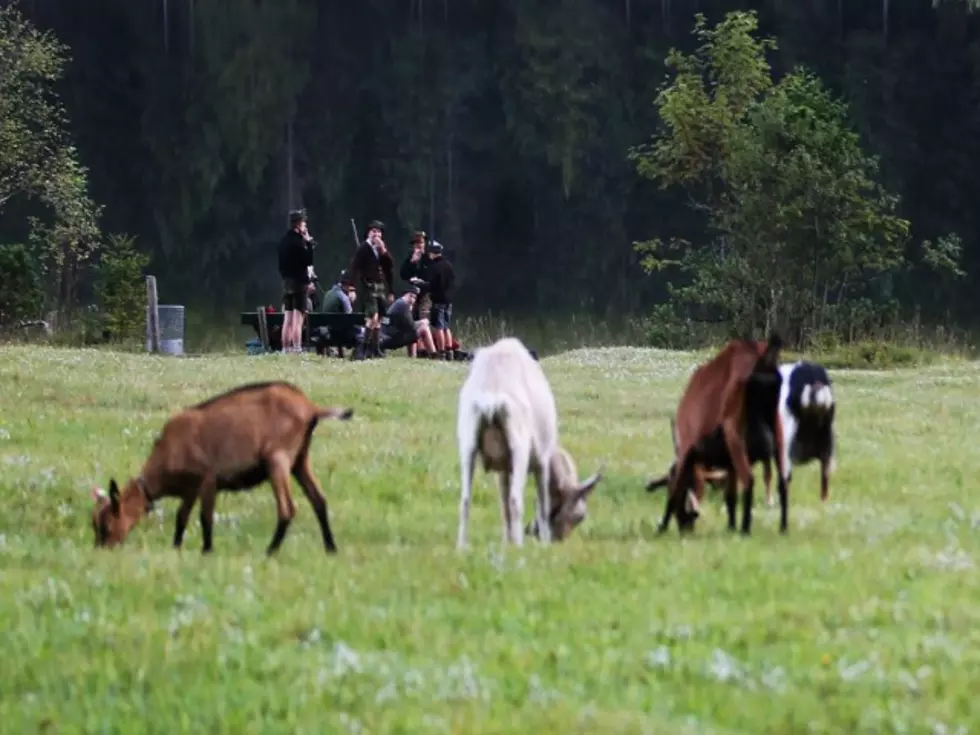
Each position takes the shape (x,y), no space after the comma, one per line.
(507,414)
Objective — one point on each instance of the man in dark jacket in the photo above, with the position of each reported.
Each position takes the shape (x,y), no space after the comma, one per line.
(372,271)
(442,284)
(415,270)
(296,271)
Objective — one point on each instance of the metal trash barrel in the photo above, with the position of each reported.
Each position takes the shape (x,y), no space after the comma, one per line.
(171,317)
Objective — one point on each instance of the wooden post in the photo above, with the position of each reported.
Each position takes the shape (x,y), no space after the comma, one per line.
(152,314)
(263,328)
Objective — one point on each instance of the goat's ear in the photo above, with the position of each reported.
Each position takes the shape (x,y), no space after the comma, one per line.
(114,495)
(583,490)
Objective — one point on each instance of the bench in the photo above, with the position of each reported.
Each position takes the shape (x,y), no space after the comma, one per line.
(336,323)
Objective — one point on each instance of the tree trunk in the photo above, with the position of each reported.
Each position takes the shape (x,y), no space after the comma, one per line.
(289,166)
(166,27)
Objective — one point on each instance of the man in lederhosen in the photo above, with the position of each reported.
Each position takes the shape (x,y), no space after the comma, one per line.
(414,270)
(372,270)
(296,271)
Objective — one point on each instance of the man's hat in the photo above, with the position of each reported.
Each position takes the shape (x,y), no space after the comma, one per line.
(415,290)
(375,225)
(297,215)
(435,247)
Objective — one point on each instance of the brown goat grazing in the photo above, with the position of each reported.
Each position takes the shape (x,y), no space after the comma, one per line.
(234,441)
(717,478)
(728,419)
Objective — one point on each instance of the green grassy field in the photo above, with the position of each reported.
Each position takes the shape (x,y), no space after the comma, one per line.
(862,619)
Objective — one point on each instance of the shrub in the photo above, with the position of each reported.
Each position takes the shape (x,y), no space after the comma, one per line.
(21,296)
(120,288)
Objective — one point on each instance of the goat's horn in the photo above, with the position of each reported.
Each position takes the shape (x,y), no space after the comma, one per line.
(673,434)
(589,485)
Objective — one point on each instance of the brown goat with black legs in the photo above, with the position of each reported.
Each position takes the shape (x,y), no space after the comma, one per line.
(718,478)
(234,441)
(806,413)
(728,413)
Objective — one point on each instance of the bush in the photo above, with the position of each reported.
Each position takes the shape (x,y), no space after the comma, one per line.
(872,355)
(120,288)
(665,329)
(21,297)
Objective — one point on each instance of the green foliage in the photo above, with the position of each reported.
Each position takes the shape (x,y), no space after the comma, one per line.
(120,287)
(944,257)
(667,329)
(873,355)
(800,224)
(21,296)
(499,127)
(31,118)
(37,158)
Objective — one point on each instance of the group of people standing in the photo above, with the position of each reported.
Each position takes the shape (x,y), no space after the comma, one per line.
(419,318)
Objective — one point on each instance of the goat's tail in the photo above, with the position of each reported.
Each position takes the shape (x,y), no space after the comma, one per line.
(660,482)
(334,412)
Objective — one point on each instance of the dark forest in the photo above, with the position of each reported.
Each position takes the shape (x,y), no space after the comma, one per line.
(522,135)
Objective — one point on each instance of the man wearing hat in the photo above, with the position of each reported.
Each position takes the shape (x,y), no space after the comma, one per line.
(371,271)
(442,284)
(296,271)
(414,270)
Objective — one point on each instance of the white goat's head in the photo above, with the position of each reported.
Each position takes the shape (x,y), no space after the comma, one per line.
(568,497)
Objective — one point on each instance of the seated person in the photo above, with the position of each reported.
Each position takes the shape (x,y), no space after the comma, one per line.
(339,300)
(402,330)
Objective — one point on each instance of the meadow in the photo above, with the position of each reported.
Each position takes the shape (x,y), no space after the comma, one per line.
(862,619)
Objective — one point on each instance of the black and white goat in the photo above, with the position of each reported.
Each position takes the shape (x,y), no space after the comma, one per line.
(806,410)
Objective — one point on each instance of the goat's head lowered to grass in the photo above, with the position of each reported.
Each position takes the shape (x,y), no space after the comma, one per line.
(568,497)
(115,514)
